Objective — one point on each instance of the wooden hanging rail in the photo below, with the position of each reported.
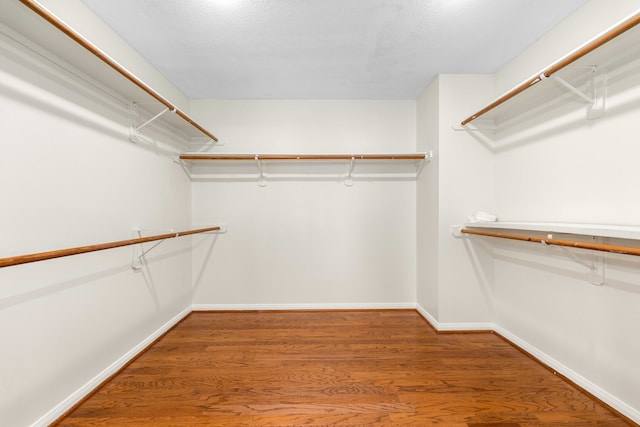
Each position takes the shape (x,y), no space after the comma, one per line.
(41,256)
(558,242)
(78,38)
(589,47)
(303,156)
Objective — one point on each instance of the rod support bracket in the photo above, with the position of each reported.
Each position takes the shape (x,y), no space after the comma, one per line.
(595,263)
(138,252)
(134,121)
(594,94)
(349,175)
(262,178)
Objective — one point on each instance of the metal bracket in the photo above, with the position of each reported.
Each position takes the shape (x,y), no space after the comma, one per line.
(349,176)
(138,252)
(135,127)
(262,179)
(596,265)
(420,163)
(595,94)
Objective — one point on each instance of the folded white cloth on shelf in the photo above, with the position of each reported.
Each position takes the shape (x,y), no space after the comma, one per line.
(481,216)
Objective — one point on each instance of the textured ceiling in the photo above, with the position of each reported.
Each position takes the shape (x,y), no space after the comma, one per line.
(323,49)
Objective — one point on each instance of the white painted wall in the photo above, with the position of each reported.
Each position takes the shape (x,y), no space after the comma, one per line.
(559,167)
(427,195)
(466,184)
(75,14)
(70,177)
(453,289)
(594,18)
(308,241)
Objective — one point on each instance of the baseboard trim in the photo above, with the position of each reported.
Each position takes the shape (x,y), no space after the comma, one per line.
(290,307)
(453,327)
(66,405)
(571,376)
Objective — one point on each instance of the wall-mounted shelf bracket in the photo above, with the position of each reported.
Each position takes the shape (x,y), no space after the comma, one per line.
(262,179)
(596,263)
(595,91)
(135,126)
(349,176)
(138,252)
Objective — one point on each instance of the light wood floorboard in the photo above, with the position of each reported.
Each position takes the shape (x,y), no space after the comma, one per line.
(337,368)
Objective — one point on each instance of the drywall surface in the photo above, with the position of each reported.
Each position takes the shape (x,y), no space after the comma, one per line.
(75,14)
(427,193)
(70,177)
(558,166)
(466,185)
(306,238)
(594,18)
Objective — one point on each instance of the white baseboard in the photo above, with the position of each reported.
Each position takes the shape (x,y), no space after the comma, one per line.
(321,306)
(542,357)
(83,391)
(573,376)
(453,327)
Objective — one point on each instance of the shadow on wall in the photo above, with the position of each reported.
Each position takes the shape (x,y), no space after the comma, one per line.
(34,80)
(622,271)
(204,263)
(479,260)
(46,290)
(295,171)
(564,112)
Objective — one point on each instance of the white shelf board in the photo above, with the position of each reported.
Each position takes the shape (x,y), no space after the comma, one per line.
(599,230)
(18,19)
(611,55)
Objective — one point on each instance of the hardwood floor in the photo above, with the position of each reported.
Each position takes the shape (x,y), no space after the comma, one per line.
(334,368)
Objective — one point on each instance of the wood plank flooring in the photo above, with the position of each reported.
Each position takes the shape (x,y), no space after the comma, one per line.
(335,368)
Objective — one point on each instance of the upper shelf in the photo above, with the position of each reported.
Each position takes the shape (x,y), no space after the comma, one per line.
(66,43)
(284,164)
(284,157)
(586,55)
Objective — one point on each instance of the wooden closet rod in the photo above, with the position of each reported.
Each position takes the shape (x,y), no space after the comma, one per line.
(558,242)
(41,256)
(78,38)
(304,157)
(570,59)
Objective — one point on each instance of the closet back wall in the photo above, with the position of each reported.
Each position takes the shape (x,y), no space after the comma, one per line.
(307,241)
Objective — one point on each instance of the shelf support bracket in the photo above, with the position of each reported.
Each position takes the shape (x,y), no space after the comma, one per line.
(349,177)
(595,93)
(262,179)
(596,265)
(574,89)
(134,130)
(138,252)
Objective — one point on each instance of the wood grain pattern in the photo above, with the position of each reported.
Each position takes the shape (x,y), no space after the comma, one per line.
(334,368)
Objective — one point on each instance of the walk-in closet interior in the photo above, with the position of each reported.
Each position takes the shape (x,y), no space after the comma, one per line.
(472,163)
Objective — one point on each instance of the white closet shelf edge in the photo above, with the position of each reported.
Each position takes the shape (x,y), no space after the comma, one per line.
(599,230)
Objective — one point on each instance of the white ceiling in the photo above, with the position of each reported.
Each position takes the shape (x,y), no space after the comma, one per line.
(326,49)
